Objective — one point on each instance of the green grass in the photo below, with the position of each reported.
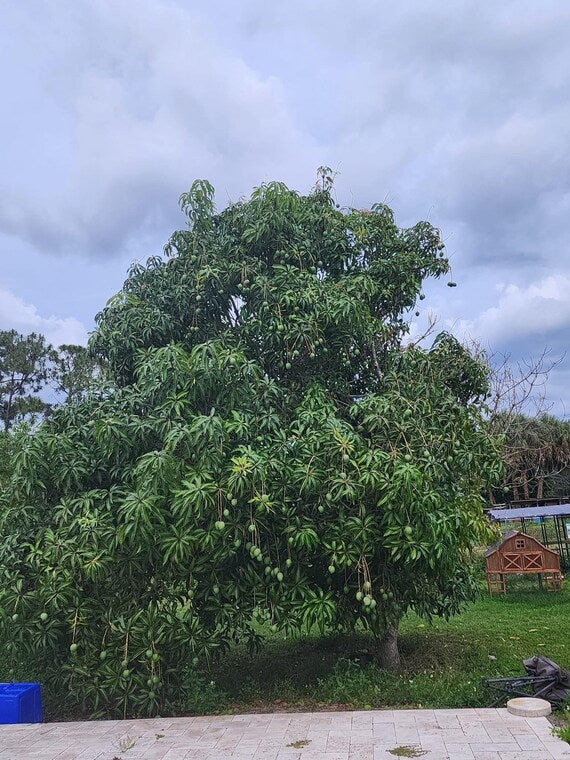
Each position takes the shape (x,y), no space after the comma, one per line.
(443,663)
(563,732)
(561,719)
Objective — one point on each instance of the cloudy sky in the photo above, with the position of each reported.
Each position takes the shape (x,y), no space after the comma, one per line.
(448,110)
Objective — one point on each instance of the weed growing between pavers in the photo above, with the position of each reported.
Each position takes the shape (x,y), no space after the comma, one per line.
(563,732)
(126,743)
(407,751)
(562,720)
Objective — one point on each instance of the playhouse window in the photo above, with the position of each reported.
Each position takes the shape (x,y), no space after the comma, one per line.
(520,543)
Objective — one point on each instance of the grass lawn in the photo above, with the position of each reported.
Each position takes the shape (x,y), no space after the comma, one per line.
(443,663)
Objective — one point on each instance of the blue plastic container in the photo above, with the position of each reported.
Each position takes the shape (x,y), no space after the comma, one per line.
(20,703)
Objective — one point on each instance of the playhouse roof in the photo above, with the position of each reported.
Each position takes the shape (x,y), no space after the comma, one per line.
(494,547)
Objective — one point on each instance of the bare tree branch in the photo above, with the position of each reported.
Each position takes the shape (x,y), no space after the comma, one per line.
(536,446)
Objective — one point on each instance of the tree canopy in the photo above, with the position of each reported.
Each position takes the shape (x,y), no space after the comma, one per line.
(34,376)
(536,453)
(265,447)
(74,371)
(24,371)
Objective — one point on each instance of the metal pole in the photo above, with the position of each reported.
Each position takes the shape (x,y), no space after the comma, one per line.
(558,537)
(543,529)
(563,537)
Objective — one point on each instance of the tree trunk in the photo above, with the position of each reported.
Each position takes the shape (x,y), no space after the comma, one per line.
(387,654)
(8,411)
(515,492)
(540,487)
(525,490)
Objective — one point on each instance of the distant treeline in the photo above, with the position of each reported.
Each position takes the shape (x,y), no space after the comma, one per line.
(34,375)
(536,453)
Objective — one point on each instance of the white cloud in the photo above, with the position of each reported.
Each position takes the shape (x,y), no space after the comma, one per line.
(538,309)
(452,111)
(21,316)
(152,101)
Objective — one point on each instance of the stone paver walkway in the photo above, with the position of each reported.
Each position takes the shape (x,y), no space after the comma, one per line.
(487,734)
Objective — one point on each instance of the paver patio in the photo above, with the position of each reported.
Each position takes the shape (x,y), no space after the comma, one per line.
(485,734)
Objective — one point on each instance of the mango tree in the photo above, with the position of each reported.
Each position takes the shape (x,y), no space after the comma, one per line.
(267,449)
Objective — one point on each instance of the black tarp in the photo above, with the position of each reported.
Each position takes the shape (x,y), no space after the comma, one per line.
(541,667)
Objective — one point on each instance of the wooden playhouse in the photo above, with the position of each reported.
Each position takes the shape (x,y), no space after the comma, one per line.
(517,554)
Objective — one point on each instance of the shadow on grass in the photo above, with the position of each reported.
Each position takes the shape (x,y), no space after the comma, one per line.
(442,664)
(340,671)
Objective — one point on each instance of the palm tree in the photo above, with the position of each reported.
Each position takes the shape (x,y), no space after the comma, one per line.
(536,453)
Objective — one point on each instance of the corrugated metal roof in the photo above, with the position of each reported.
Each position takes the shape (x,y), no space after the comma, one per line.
(504,515)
